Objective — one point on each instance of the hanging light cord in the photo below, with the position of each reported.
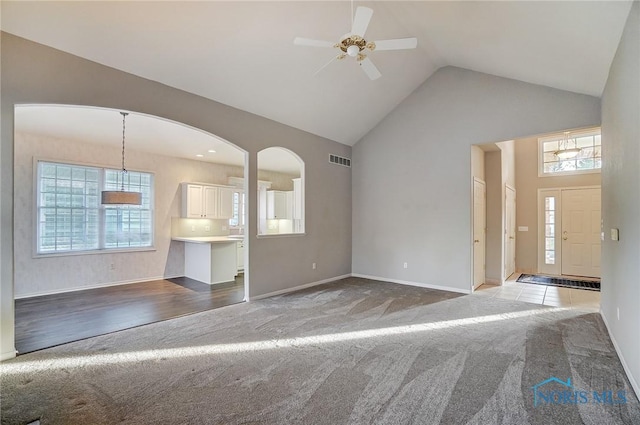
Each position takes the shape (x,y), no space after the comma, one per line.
(124,170)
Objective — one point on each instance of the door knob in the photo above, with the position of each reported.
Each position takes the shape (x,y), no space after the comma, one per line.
(565,235)
(476,241)
(511,237)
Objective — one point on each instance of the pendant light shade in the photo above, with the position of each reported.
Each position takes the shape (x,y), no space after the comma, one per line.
(121,197)
(565,151)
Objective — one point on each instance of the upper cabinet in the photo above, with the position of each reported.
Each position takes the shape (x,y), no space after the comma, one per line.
(206,201)
(279,205)
(225,202)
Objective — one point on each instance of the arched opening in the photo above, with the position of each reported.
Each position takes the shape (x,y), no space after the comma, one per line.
(280,192)
(68,243)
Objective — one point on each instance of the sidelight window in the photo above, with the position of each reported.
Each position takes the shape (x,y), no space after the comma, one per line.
(549,230)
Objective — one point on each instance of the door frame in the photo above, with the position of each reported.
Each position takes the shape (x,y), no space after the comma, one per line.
(506,232)
(473,246)
(555,269)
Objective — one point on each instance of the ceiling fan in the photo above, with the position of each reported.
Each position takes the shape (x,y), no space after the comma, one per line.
(354,45)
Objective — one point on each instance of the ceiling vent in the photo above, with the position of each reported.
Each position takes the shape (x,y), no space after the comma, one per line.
(335,159)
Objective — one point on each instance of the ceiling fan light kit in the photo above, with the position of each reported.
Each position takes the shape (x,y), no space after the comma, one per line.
(354,44)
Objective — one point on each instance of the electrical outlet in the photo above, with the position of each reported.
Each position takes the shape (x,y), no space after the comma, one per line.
(207,228)
(405,265)
(193,228)
(112,266)
(313,266)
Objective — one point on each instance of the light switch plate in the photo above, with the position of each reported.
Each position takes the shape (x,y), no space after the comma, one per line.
(615,235)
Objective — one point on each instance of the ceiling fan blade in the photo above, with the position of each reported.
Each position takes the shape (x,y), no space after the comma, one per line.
(325,65)
(299,41)
(397,44)
(361,20)
(370,69)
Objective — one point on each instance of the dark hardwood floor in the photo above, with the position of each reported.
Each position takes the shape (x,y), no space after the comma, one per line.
(51,320)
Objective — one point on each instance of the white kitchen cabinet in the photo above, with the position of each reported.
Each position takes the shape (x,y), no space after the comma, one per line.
(209,202)
(191,201)
(199,201)
(278,205)
(225,204)
(206,201)
(211,263)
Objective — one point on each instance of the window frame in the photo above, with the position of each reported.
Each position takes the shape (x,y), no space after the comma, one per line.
(242,205)
(557,136)
(262,226)
(543,267)
(101,211)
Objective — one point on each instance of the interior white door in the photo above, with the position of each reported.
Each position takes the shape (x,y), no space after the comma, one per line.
(510,232)
(479,231)
(581,209)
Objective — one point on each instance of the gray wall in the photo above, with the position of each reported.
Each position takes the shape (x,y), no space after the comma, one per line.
(621,198)
(527,185)
(412,173)
(33,73)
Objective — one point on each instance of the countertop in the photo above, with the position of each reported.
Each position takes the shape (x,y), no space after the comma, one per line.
(206,239)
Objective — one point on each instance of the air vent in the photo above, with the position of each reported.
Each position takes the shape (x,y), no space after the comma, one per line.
(335,159)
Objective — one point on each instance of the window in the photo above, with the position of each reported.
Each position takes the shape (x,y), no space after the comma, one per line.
(238,210)
(549,237)
(588,159)
(70,217)
(549,230)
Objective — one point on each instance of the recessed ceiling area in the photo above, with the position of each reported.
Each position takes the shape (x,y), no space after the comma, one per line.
(242,54)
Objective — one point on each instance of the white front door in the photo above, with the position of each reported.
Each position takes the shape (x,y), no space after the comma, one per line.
(581,232)
(510,232)
(479,231)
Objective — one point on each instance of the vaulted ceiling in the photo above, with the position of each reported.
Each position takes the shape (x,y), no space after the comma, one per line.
(242,54)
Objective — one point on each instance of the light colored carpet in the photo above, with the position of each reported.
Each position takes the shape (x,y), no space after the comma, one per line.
(351,352)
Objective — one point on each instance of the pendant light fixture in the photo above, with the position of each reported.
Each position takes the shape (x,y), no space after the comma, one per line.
(120,197)
(565,151)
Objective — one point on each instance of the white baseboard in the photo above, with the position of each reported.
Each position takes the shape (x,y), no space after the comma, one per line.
(634,384)
(297,288)
(8,355)
(420,284)
(99,285)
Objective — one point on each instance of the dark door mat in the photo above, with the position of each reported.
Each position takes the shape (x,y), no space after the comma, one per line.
(559,281)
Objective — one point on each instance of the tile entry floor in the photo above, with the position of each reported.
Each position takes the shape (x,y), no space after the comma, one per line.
(542,294)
